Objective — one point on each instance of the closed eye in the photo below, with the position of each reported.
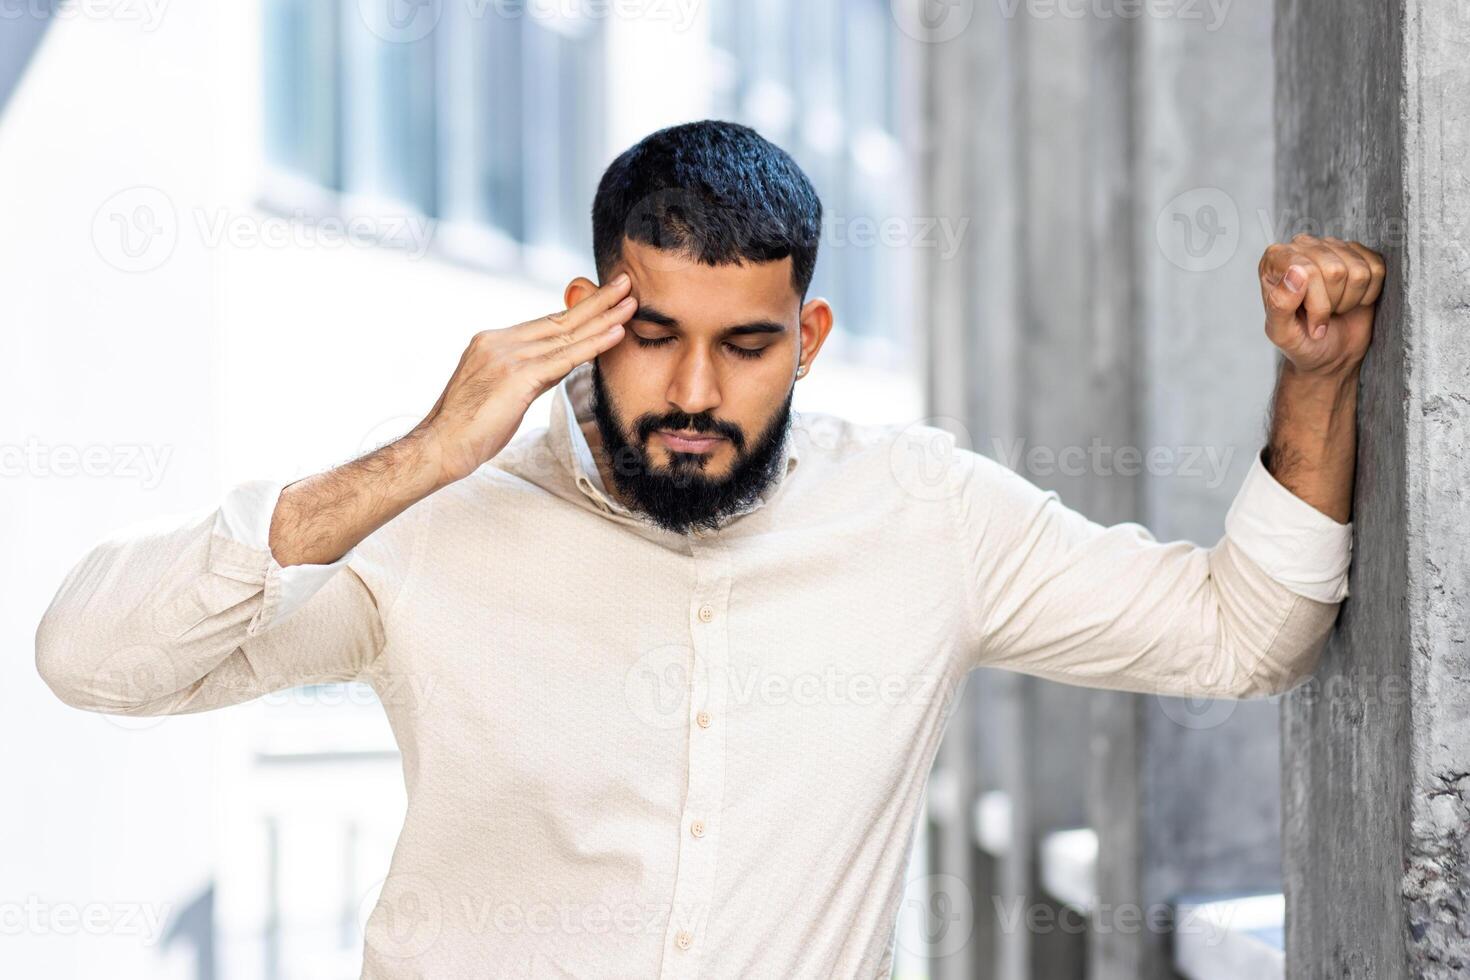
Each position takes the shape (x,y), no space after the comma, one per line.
(735,349)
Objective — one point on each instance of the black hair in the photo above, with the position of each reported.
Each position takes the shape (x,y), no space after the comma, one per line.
(717,192)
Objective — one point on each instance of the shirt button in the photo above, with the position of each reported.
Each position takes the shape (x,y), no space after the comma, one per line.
(697,828)
(703,719)
(706,613)
(683,940)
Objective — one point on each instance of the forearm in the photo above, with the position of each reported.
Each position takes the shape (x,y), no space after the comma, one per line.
(1312,446)
(165,620)
(319,519)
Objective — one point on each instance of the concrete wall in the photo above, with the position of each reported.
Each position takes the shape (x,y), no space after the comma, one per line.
(1373,131)
(967,173)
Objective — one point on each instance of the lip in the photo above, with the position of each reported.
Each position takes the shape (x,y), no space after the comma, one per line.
(689,444)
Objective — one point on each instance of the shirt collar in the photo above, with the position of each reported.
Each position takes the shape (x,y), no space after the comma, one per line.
(572,405)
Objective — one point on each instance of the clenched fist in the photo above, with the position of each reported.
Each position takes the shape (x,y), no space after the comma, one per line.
(503,371)
(1320,295)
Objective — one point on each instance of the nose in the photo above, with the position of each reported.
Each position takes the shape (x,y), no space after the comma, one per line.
(695,386)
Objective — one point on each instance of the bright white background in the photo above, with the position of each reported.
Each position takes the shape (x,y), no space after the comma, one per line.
(228,360)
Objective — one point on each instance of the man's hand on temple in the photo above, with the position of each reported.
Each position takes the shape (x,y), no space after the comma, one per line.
(319,519)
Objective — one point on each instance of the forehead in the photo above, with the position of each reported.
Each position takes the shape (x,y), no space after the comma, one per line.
(693,292)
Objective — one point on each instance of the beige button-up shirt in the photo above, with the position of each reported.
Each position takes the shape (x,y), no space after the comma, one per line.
(631,753)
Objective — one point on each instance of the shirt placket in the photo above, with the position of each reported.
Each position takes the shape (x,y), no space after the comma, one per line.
(685,939)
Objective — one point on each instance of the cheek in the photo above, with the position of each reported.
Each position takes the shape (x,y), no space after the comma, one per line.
(626,371)
(633,389)
(753,417)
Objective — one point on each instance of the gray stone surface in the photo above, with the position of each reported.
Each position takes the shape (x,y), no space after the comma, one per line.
(1373,139)
(1009,325)
(1083,152)
(1056,406)
(967,165)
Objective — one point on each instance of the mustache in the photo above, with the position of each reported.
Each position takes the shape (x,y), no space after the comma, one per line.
(647,425)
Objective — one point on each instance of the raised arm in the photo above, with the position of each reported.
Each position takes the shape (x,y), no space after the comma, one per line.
(270,590)
(1320,296)
(500,374)
(1057,595)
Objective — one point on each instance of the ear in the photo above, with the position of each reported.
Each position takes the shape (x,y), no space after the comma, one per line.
(816,323)
(577,290)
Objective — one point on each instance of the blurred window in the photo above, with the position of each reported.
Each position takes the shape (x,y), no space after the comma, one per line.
(487,119)
(822,79)
(484,117)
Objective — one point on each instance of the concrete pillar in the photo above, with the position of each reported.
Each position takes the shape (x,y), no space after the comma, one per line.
(1007,322)
(968,175)
(1373,135)
(1060,401)
(1077,315)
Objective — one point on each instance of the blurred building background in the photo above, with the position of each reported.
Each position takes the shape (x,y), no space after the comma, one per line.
(250,240)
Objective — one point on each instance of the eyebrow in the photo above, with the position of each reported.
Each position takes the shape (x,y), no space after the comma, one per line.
(649,314)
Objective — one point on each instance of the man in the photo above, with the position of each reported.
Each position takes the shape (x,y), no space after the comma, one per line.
(687,654)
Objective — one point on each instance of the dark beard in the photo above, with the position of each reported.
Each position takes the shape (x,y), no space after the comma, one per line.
(681,498)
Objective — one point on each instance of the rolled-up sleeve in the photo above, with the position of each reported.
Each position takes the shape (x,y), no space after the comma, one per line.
(1293,542)
(186,614)
(244,516)
(1054,594)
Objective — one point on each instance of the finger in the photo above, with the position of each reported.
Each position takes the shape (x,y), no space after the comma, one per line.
(1358,276)
(618,315)
(1376,267)
(1271,267)
(1318,304)
(556,364)
(593,304)
(1277,259)
(1333,271)
(1284,292)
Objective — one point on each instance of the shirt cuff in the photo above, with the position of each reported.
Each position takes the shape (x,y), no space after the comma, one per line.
(1293,542)
(245,516)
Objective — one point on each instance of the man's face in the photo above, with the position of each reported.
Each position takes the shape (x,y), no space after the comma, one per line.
(693,404)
